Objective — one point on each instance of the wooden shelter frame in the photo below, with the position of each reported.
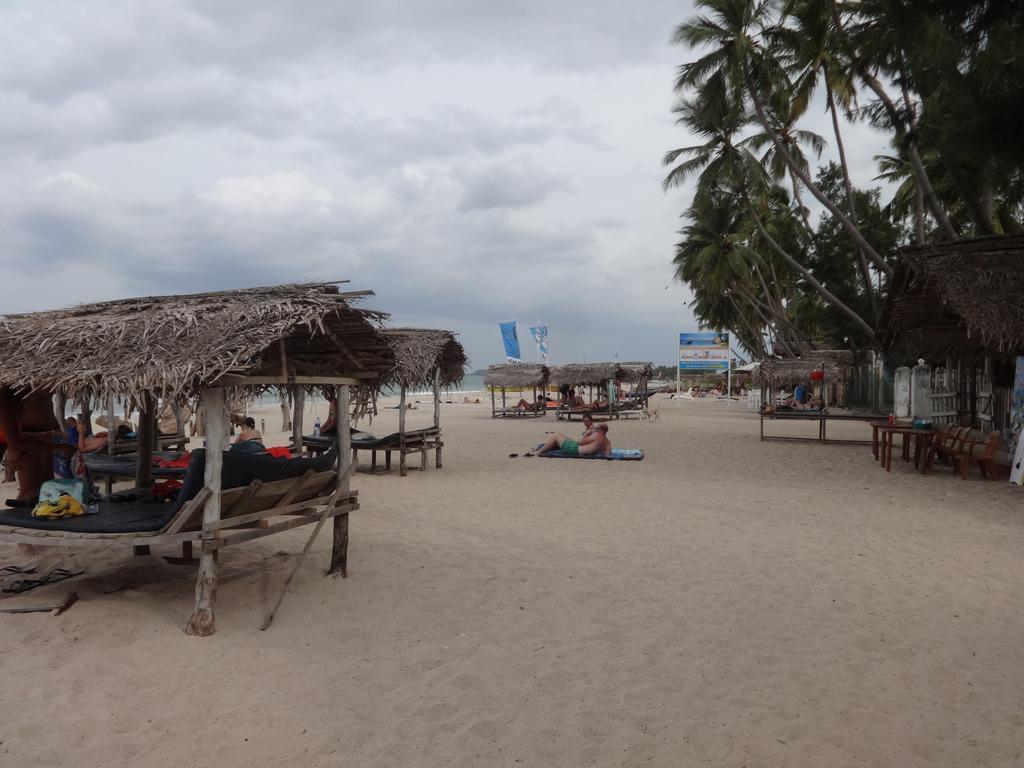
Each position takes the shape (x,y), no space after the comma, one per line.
(217,518)
(517,375)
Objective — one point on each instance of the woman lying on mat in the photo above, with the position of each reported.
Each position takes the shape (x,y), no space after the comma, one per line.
(595,442)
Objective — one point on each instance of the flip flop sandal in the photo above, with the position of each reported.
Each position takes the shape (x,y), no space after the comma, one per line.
(21,504)
(24,585)
(513,455)
(18,569)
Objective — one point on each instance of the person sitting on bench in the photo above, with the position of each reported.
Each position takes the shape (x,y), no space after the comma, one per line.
(249,439)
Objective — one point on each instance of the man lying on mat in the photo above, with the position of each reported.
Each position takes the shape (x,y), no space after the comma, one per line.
(596,442)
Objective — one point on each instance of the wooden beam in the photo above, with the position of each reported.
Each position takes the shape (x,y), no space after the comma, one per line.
(437,415)
(297,414)
(215,411)
(147,434)
(401,434)
(237,380)
(339,546)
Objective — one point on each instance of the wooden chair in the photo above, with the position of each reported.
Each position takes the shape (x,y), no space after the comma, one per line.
(946,444)
(981,453)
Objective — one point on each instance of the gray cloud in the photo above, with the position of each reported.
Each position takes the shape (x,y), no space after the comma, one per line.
(471,162)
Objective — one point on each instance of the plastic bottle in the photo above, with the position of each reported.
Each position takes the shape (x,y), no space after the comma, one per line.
(316,427)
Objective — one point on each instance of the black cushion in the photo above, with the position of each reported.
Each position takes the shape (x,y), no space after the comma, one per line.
(238,471)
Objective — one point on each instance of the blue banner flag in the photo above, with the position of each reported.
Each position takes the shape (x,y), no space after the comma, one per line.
(511,340)
(540,336)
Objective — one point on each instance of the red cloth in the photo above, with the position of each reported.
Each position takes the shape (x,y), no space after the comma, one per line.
(166,488)
(183,461)
(280,452)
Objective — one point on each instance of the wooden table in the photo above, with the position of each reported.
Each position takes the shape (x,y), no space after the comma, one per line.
(922,439)
(815,416)
(878,425)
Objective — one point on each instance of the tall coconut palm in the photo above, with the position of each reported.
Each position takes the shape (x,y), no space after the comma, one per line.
(740,64)
(785,113)
(807,44)
(735,170)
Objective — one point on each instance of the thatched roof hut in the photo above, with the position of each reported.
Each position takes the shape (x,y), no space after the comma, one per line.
(419,352)
(516,375)
(173,346)
(633,372)
(588,374)
(959,299)
(785,374)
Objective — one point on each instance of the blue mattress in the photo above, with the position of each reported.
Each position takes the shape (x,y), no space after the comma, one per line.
(617,454)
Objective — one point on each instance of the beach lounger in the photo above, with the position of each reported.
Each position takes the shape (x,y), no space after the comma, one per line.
(176,442)
(415,441)
(104,465)
(617,454)
(181,518)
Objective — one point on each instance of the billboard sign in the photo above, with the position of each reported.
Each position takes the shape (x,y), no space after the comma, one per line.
(704,351)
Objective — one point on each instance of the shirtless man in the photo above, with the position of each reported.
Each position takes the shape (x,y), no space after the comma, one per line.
(596,442)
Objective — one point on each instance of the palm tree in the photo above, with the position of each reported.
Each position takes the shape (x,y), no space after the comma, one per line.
(741,67)
(725,166)
(809,49)
(785,114)
(872,43)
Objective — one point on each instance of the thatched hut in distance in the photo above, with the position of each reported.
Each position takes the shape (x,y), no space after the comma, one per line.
(424,359)
(519,376)
(203,345)
(601,376)
(959,306)
(774,373)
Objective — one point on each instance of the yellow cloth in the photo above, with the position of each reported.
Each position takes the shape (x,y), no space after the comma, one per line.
(63,506)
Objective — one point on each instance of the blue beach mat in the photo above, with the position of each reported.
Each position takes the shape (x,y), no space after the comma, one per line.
(617,454)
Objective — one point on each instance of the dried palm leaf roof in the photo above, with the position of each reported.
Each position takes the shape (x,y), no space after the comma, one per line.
(516,375)
(419,352)
(841,356)
(597,373)
(960,298)
(174,345)
(774,372)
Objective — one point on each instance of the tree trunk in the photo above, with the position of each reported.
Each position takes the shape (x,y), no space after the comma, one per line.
(918,215)
(822,198)
(865,270)
(920,174)
(821,290)
(286,412)
(972,203)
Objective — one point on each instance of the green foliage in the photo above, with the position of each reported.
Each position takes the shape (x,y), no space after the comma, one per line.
(944,78)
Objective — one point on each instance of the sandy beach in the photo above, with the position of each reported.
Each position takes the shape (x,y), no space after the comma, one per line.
(725,602)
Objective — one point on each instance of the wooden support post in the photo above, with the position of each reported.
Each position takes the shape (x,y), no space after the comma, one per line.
(179,422)
(493,404)
(401,435)
(147,435)
(60,404)
(339,549)
(214,409)
(111,438)
(300,406)
(437,416)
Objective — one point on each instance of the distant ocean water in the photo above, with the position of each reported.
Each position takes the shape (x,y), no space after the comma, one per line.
(473,382)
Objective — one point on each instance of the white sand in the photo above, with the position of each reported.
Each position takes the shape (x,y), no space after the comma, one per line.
(725,602)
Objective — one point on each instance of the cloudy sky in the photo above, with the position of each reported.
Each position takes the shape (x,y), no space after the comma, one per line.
(469,161)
